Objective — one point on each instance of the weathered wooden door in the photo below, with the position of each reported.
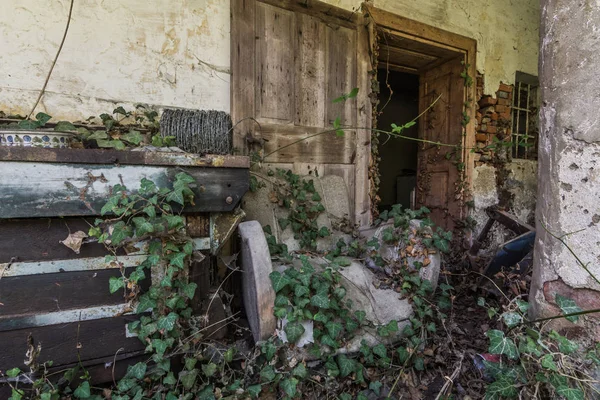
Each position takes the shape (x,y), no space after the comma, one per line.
(438,166)
(290,60)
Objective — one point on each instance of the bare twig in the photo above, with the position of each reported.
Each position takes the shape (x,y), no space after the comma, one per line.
(450,380)
(55,59)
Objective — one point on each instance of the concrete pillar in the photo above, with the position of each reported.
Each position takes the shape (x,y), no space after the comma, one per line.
(568,198)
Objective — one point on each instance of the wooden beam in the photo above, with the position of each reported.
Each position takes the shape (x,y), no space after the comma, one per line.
(96,156)
(32,189)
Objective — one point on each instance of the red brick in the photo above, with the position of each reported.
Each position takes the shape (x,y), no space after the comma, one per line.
(487,101)
(481,137)
(505,115)
(491,129)
(504,102)
(500,109)
(494,116)
(586,299)
(505,88)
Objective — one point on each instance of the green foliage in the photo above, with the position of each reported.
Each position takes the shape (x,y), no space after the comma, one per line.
(303,202)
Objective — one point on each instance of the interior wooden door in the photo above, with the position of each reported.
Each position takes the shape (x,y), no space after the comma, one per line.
(438,166)
(290,60)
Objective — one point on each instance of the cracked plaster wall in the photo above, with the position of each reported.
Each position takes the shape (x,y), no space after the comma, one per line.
(506,31)
(176,53)
(125,52)
(569,153)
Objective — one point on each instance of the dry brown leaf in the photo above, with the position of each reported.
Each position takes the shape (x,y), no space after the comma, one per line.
(75,240)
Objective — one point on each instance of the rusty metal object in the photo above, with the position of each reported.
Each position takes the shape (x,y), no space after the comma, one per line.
(222,227)
(96,156)
(198,225)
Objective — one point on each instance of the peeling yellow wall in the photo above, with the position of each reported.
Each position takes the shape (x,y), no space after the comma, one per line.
(176,53)
(507,31)
(159,52)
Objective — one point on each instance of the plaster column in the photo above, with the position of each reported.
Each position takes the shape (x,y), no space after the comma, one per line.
(568,200)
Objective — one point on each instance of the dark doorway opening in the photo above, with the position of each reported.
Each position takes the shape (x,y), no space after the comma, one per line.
(399,104)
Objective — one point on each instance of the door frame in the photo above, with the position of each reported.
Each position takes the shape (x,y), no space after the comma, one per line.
(396,25)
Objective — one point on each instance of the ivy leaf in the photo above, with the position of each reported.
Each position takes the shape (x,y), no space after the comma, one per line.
(300,371)
(115,283)
(403,354)
(321,317)
(145,303)
(568,306)
(294,330)
(375,387)
(42,118)
(570,393)
(176,196)
(346,365)
(190,289)
(188,378)
(360,316)
(289,386)
(334,329)
(11,373)
(228,356)
(133,137)
(279,281)
(168,322)
(209,369)
(83,391)
(173,221)
(380,350)
(207,393)
(267,374)
(511,319)
(502,345)
(301,290)
(501,388)
(160,346)
(178,260)
(320,300)
(120,233)
(254,391)
(137,371)
(548,363)
(269,350)
(142,226)
(324,232)
(564,345)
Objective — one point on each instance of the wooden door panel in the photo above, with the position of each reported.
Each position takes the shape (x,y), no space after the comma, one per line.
(437,165)
(274,64)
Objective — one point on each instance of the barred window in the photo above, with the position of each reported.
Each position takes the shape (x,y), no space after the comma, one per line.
(525,116)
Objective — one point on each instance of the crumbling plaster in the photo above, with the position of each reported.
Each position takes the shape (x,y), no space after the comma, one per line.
(163,53)
(506,31)
(569,182)
(176,54)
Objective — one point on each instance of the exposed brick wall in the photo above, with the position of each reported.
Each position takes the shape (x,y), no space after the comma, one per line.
(493,119)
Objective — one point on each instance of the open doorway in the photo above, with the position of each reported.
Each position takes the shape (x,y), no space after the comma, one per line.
(399,103)
(428,71)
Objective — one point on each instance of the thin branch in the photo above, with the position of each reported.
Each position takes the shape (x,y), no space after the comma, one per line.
(55,59)
(560,239)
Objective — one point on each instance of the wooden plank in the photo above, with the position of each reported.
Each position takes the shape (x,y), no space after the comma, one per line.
(389,20)
(98,156)
(396,38)
(288,143)
(38,239)
(243,54)
(31,240)
(52,267)
(275,28)
(362,202)
(310,71)
(408,58)
(341,75)
(44,293)
(63,317)
(326,13)
(63,342)
(48,190)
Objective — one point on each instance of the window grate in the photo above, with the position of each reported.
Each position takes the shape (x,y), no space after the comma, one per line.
(524,117)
